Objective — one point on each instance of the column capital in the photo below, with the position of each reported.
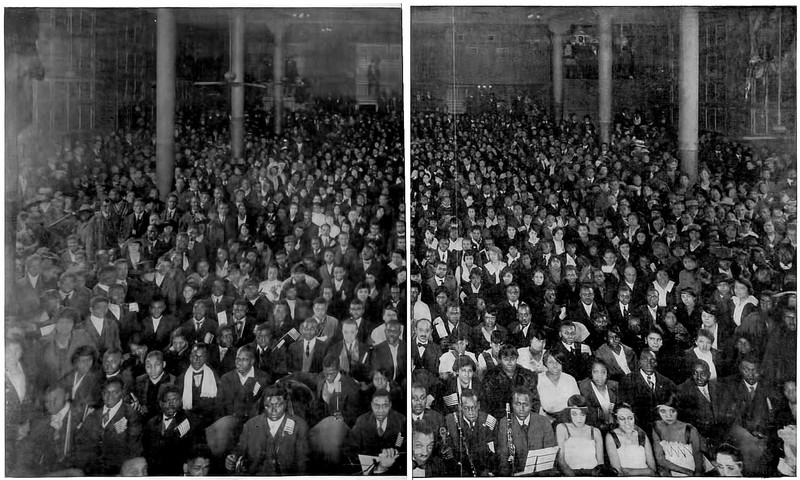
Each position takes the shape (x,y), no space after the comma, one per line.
(559,26)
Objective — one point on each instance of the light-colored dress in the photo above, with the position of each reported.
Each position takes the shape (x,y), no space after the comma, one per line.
(631,455)
(579,452)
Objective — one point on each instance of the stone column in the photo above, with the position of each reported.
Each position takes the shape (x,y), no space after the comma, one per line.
(237,88)
(689,92)
(557,30)
(278,72)
(604,59)
(165,101)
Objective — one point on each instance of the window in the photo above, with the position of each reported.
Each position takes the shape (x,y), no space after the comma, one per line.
(472,50)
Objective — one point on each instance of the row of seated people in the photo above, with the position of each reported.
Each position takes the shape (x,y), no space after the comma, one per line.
(558,364)
(472,442)
(219,377)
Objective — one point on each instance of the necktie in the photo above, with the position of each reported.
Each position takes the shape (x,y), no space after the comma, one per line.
(624,312)
(524,427)
(381,430)
(705,393)
(752,392)
(106,417)
(650,382)
(308,350)
(197,325)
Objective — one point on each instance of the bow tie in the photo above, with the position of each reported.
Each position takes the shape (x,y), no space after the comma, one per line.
(197,374)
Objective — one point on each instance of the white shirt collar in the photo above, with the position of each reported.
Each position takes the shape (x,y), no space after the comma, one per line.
(113,410)
(249,374)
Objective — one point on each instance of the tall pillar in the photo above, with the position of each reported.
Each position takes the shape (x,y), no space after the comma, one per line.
(604,58)
(689,93)
(278,72)
(165,101)
(557,31)
(237,88)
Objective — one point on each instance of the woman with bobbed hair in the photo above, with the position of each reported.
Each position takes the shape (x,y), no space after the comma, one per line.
(580,444)
(676,444)
(629,450)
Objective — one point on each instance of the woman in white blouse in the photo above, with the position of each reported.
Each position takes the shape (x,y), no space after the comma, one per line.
(494,267)
(554,386)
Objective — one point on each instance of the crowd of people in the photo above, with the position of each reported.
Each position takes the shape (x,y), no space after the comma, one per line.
(591,297)
(251,323)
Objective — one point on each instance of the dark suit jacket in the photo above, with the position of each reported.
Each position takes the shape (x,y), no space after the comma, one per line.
(248,333)
(737,407)
(260,310)
(193,335)
(476,439)
(345,402)
(225,364)
(296,352)
(429,360)
(272,360)
(615,372)
(101,451)
(108,339)
(88,393)
(578,364)
(41,453)
(364,438)
(635,390)
(382,357)
(203,408)
(158,339)
(166,449)
(706,416)
(147,393)
(359,367)
(243,401)
(540,435)
(285,454)
(225,305)
(302,310)
(131,227)
(595,415)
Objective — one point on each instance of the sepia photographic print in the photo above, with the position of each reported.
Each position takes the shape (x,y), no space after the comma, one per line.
(205,242)
(603,264)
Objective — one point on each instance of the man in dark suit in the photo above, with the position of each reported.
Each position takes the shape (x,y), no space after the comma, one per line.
(273,443)
(103,330)
(381,429)
(218,301)
(391,354)
(169,436)
(337,393)
(157,327)
(306,354)
(244,325)
(222,357)
(258,307)
(700,403)
(271,352)
(587,309)
(478,429)
(521,330)
(529,431)
(354,356)
(424,353)
(49,447)
(147,386)
(619,311)
(221,227)
(109,435)
(240,390)
(507,309)
(643,387)
(83,384)
(747,400)
(649,312)
(135,225)
(199,386)
(419,411)
(578,355)
(199,328)
(441,279)
(299,310)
